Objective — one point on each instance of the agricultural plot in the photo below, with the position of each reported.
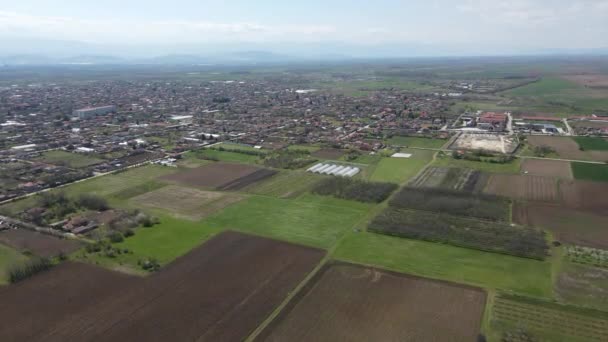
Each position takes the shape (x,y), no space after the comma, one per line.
(398,170)
(309,220)
(215,176)
(37,243)
(585,195)
(228,156)
(178,303)
(353,303)
(547,168)
(354,189)
(286,184)
(428,259)
(451,202)
(416,142)
(567,148)
(188,203)
(592,143)
(466,180)
(590,172)
(328,153)
(547,321)
(568,225)
(252,178)
(583,285)
(69,159)
(444,160)
(523,187)
(463,232)
(588,256)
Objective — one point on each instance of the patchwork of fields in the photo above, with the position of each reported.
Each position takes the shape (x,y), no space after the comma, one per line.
(447,212)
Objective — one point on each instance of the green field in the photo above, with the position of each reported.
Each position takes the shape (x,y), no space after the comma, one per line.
(286,184)
(545,87)
(309,148)
(448,161)
(400,170)
(456,264)
(69,159)
(8,257)
(416,142)
(592,172)
(165,242)
(582,285)
(592,143)
(226,156)
(310,220)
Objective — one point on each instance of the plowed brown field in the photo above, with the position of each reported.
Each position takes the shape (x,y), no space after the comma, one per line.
(567,148)
(221,291)
(37,243)
(523,187)
(215,175)
(352,303)
(547,168)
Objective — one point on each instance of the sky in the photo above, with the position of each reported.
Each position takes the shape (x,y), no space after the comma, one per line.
(477,25)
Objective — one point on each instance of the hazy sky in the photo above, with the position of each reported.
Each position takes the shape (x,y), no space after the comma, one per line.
(516,24)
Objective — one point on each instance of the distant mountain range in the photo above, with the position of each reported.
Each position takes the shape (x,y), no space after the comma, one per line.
(49,52)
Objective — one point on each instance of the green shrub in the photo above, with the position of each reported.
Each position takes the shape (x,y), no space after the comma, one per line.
(19,272)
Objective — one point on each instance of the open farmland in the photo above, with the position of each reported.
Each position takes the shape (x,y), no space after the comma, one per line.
(353,303)
(585,195)
(309,220)
(523,187)
(429,259)
(452,202)
(354,189)
(590,172)
(467,180)
(547,168)
(69,159)
(286,184)
(567,148)
(568,225)
(252,178)
(592,143)
(216,175)
(189,203)
(464,232)
(583,285)
(547,321)
(445,160)
(37,243)
(178,303)
(400,170)
(328,153)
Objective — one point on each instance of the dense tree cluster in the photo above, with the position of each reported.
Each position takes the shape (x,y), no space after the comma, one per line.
(354,189)
(465,232)
(453,202)
(288,159)
(19,272)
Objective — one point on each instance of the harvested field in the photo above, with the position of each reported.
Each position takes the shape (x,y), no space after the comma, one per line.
(467,180)
(189,203)
(352,303)
(328,153)
(216,175)
(568,225)
(243,182)
(39,244)
(547,168)
(585,195)
(547,321)
(523,187)
(32,308)
(567,148)
(179,303)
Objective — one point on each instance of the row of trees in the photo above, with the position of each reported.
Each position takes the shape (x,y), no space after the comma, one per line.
(25,270)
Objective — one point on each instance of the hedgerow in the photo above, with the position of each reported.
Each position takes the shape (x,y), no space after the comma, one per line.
(354,189)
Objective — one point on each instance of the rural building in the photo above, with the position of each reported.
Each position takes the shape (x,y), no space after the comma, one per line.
(493,121)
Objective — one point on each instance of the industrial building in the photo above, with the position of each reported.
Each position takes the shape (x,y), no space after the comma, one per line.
(87,113)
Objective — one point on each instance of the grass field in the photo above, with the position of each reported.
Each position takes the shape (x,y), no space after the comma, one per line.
(400,170)
(544,87)
(73,160)
(286,184)
(592,143)
(309,148)
(165,242)
(448,161)
(8,256)
(416,142)
(592,172)
(310,220)
(226,156)
(439,261)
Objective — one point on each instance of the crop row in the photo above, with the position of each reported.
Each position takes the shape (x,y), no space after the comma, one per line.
(587,255)
(354,189)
